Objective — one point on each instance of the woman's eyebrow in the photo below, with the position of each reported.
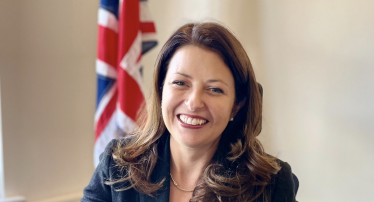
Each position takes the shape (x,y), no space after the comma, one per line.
(183,74)
(209,81)
(216,80)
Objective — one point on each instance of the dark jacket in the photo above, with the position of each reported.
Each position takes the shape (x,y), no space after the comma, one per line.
(281,190)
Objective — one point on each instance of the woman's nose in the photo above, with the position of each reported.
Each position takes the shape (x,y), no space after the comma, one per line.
(194,100)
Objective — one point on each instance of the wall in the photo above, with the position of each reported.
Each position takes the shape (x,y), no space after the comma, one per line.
(319,65)
(314,59)
(48,51)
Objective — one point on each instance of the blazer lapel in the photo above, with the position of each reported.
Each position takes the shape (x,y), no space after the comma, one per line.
(160,172)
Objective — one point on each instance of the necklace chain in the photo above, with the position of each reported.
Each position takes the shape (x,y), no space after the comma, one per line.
(187,190)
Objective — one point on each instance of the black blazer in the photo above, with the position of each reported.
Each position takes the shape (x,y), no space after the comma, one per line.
(281,190)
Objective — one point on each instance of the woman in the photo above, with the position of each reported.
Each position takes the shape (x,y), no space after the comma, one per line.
(197,136)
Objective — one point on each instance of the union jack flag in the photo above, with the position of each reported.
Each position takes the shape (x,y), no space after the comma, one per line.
(126,31)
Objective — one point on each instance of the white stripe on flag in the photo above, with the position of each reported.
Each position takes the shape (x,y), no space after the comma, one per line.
(145,15)
(104,102)
(107,19)
(148,37)
(130,64)
(125,123)
(104,69)
(105,137)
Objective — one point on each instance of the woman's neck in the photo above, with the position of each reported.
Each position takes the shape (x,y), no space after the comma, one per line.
(187,164)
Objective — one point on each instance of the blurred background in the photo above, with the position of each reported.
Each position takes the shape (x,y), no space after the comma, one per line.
(315,60)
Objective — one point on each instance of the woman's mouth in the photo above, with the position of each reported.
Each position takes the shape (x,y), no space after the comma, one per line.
(194,121)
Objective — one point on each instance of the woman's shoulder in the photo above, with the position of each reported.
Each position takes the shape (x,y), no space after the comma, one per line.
(285,168)
(285,183)
(113,145)
(106,171)
(107,161)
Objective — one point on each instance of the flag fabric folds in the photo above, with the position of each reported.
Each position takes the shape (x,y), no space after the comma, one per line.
(125,32)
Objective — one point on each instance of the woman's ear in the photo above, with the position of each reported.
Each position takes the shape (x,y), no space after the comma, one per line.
(237,107)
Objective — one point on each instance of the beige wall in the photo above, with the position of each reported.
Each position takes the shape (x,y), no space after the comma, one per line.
(319,66)
(47,58)
(315,60)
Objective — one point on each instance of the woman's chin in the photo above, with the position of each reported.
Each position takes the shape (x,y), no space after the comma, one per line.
(193,142)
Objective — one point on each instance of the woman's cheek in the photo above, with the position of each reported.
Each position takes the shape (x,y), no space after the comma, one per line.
(224,110)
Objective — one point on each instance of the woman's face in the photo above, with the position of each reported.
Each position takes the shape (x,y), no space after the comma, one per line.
(198,97)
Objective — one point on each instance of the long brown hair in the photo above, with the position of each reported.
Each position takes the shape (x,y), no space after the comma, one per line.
(240,169)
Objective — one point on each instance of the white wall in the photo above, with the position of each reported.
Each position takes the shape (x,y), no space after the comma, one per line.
(314,59)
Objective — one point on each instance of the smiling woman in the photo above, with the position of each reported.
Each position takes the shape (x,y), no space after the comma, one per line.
(198,87)
(197,139)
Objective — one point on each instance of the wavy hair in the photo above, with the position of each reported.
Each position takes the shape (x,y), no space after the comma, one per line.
(240,169)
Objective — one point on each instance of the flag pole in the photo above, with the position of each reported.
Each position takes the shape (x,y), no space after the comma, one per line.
(2,182)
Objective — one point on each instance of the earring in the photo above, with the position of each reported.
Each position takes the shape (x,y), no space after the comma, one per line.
(231,119)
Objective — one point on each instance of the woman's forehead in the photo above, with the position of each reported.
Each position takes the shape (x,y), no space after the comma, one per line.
(193,61)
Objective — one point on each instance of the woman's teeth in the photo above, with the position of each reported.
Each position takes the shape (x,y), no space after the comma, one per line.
(192,121)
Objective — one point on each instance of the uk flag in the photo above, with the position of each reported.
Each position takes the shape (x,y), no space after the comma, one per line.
(126,31)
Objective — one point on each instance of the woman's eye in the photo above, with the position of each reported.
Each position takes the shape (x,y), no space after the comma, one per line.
(179,83)
(216,90)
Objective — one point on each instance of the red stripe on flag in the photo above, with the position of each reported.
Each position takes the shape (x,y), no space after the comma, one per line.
(128,26)
(147,27)
(130,96)
(107,46)
(106,115)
